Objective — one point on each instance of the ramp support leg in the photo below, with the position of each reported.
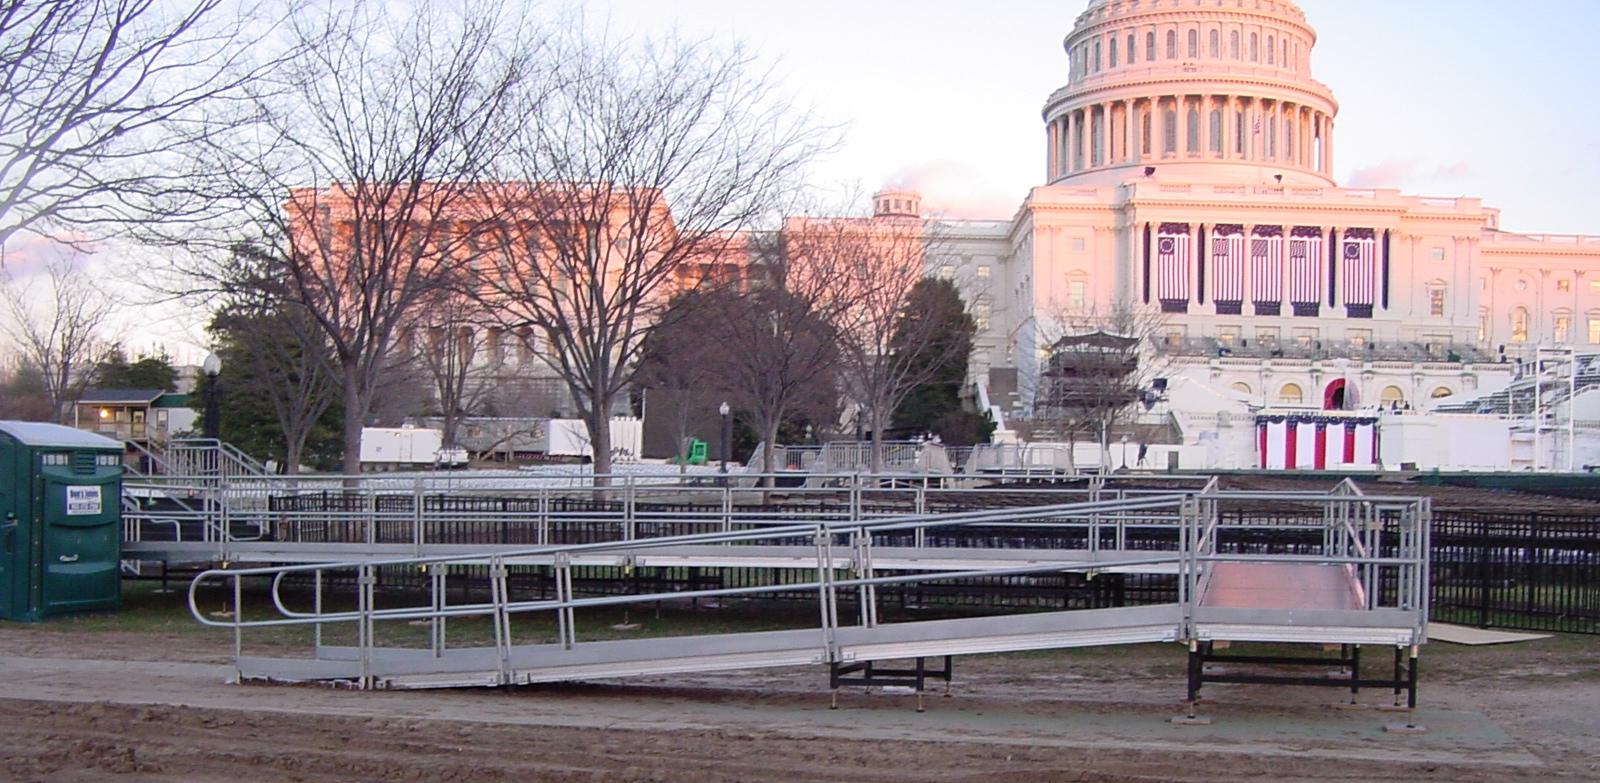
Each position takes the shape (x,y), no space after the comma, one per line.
(1196,669)
(1353,653)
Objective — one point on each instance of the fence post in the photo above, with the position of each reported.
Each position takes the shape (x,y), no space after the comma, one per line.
(417,515)
(1483,572)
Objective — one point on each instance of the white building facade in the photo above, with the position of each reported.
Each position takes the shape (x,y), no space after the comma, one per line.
(1188,172)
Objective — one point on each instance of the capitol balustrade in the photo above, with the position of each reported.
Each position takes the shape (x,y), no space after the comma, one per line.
(1211,347)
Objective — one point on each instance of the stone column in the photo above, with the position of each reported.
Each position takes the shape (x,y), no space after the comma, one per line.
(1157,128)
(1129,151)
(1229,127)
(1107,134)
(1072,130)
(1183,126)
(1327,146)
(1050,140)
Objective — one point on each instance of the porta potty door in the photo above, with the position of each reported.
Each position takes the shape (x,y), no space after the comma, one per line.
(13,548)
(79,538)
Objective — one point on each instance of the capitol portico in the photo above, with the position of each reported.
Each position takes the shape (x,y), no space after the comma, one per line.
(1188,167)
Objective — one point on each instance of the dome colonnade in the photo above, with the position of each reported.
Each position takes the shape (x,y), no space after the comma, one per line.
(1224,84)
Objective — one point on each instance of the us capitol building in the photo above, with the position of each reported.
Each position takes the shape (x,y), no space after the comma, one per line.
(1189,172)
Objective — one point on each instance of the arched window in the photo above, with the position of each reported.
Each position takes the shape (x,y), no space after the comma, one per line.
(1519,325)
(1144,130)
(1255,47)
(1113,51)
(1169,144)
(1097,55)
(1239,135)
(1216,44)
(1272,135)
(1193,122)
(1233,44)
(1194,44)
(1216,132)
(1438,295)
(1285,43)
(1150,47)
(1172,44)
(1289,147)
(1133,49)
(1441,393)
(1561,321)
(1272,50)
(1243,388)
(1291,394)
(1392,396)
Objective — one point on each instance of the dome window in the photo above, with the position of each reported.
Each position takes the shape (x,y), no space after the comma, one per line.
(1150,47)
(1194,44)
(1216,44)
(1255,47)
(1272,50)
(1233,44)
(1172,44)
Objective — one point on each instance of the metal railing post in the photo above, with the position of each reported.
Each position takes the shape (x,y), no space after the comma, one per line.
(418,516)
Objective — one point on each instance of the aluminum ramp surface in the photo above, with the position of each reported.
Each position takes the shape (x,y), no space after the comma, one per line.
(420,668)
(1294,603)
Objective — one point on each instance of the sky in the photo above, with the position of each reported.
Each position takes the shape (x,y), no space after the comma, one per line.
(1437,98)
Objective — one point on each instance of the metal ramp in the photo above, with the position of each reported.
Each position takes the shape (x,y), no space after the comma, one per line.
(528,664)
(1359,579)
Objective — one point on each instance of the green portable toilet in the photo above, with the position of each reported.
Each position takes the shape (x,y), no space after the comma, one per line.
(60,520)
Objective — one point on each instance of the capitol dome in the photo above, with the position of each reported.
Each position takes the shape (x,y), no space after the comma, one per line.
(1206,90)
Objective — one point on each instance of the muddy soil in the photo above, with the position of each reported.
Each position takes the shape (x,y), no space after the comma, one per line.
(153,706)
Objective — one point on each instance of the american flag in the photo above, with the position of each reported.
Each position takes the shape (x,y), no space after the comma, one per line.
(1227,255)
(1172,263)
(1266,267)
(1360,267)
(1305,267)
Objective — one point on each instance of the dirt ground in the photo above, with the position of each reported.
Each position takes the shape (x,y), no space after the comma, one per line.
(95,702)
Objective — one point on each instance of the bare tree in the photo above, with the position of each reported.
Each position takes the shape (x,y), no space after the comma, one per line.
(363,173)
(1099,369)
(783,332)
(886,354)
(644,160)
(452,352)
(59,337)
(99,99)
(22,391)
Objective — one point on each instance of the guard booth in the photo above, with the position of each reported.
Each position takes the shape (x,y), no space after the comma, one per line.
(60,520)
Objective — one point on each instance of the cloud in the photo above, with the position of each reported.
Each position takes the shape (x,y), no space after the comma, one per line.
(1461,169)
(954,189)
(25,256)
(1390,173)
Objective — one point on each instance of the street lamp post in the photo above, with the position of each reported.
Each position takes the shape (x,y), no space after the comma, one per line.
(211,424)
(727,435)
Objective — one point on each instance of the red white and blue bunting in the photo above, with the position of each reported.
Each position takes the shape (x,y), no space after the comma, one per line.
(1172,263)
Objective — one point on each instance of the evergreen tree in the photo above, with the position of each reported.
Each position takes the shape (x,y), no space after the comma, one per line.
(935,406)
(262,386)
(114,371)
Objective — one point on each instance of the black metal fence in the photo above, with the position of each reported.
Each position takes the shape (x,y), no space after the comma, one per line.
(1534,572)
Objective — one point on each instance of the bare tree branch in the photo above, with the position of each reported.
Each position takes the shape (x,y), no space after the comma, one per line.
(61,337)
(100,102)
(643,159)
